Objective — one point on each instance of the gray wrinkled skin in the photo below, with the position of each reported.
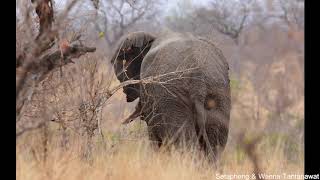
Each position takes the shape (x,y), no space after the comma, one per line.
(176,108)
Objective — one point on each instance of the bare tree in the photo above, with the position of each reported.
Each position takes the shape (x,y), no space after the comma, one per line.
(293,12)
(116,17)
(36,62)
(227,17)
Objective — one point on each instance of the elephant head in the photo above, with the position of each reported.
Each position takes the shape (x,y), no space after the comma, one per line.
(195,102)
(127,60)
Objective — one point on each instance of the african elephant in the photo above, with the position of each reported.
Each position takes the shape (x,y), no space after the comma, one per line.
(188,98)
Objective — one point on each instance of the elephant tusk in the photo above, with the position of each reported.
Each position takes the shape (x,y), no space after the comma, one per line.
(126,121)
(134,115)
(130,118)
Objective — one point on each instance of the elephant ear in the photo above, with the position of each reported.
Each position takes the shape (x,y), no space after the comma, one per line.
(127,59)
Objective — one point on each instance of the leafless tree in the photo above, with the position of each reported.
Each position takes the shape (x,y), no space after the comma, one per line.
(293,12)
(116,17)
(288,12)
(35,62)
(226,17)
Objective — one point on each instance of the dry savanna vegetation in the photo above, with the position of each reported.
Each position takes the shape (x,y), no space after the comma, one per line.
(70,105)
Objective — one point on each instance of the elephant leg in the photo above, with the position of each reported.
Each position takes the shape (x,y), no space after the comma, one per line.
(172,128)
(154,137)
(217,135)
(216,140)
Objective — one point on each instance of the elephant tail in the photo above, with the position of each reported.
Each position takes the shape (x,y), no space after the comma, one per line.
(201,130)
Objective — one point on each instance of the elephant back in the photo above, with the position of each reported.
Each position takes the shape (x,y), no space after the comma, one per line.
(176,52)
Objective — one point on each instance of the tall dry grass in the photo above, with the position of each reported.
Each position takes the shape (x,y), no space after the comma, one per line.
(135,159)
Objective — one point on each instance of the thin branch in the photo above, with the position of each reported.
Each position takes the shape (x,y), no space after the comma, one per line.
(148,80)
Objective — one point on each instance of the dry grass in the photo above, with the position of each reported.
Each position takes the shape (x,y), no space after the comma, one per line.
(138,160)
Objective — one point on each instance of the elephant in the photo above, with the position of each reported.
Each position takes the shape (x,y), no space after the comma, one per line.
(183,88)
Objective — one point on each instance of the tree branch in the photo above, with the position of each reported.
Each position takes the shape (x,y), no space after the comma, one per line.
(52,61)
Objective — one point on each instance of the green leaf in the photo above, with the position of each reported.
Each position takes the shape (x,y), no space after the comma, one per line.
(101,34)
